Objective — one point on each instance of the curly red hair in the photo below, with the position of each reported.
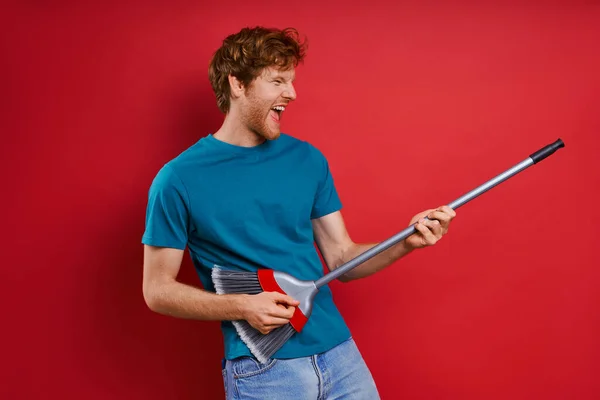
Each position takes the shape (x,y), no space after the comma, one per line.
(246,53)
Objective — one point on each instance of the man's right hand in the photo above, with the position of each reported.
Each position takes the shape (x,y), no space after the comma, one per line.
(268,310)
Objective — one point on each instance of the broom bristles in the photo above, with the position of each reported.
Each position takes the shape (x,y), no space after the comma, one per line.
(263,346)
(239,282)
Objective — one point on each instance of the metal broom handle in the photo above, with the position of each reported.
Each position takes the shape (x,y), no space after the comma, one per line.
(529,161)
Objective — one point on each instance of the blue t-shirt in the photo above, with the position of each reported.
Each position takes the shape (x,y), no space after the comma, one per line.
(247,208)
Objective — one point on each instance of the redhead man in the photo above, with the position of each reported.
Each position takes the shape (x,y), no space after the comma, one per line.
(247,197)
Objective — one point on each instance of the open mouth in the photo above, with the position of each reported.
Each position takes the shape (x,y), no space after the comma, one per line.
(278,111)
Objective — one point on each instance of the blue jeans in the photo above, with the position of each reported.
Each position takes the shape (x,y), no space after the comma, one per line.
(339,373)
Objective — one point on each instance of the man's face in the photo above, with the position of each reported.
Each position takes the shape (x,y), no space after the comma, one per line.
(265,99)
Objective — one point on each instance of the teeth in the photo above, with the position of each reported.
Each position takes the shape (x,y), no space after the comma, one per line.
(279,108)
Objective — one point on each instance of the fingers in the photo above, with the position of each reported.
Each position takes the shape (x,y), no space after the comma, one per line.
(447,210)
(427,236)
(285,305)
(420,216)
(270,310)
(273,319)
(439,216)
(282,312)
(278,315)
(435,227)
(267,323)
(431,225)
(266,329)
(285,299)
(437,224)
(441,219)
(274,322)
(444,215)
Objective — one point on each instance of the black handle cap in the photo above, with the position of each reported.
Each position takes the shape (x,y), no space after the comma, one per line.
(546,151)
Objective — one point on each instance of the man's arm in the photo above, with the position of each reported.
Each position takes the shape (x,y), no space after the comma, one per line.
(337,247)
(165,295)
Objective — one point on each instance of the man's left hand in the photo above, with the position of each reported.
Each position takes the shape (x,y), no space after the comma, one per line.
(431,230)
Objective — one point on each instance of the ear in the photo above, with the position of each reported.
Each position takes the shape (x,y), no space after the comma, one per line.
(237,87)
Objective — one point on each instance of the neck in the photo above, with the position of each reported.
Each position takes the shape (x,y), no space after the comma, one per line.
(233,131)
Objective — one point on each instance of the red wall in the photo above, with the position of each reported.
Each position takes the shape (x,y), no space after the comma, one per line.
(413,105)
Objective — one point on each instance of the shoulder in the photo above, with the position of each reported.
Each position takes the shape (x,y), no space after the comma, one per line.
(166,179)
(175,170)
(304,146)
(196,152)
(170,174)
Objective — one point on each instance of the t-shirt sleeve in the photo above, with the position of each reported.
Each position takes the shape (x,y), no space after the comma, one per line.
(167,212)
(326,198)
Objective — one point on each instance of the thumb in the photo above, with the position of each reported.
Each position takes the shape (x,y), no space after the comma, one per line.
(285,299)
(420,215)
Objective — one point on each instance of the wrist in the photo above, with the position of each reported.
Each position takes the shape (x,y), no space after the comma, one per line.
(240,306)
(403,248)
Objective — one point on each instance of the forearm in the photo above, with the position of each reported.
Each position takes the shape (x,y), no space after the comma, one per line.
(374,264)
(184,301)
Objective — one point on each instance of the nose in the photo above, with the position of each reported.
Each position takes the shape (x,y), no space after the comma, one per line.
(290,92)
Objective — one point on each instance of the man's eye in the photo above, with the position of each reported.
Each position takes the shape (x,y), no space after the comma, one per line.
(277,82)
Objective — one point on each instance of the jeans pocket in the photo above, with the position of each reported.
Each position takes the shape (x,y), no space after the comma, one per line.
(246,367)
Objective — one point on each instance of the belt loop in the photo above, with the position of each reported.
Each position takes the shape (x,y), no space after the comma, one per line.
(229,378)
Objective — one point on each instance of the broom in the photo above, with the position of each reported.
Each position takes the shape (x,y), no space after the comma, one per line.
(238,282)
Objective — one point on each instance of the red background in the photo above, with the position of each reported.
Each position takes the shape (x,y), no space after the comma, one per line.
(413,106)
